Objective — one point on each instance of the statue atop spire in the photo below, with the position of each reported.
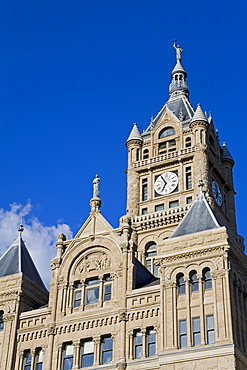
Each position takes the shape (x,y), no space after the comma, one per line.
(179,51)
(21,229)
(96,191)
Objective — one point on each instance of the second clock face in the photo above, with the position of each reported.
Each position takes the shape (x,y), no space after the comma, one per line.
(217,193)
(166,183)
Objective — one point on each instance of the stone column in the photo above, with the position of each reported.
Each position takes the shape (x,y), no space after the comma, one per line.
(101,290)
(70,297)
(187,282)
(59,356)
(96,340)
(202,314)
(144,343)
(83,294)
(64,299)
(129,354)
(76,345)
(33,352)
(19,362)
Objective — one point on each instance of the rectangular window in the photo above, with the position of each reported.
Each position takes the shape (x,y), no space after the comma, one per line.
(39,360)
(210,329)
(188,200)
(107,288)
(138,344)
(87,355)
(144,211)
(151,342)
(68,356)
(188,178)
(174,204)
(182,334)
(77,294)
(144,189)
(92,291)
(159,207)
(196,331)
(106,350)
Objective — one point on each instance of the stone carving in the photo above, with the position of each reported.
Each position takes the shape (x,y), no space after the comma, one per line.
(179,51)
(96,191)
(94,261)
(121,366)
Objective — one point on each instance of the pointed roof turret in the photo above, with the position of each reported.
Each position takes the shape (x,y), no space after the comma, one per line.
(18,260)
(135,134)
(226,153)
(199,217)
(199,115)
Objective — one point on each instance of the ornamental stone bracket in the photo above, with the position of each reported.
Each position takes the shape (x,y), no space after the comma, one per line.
(121,366)
(123,315)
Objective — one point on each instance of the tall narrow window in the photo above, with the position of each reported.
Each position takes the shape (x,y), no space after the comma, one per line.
(144,189)
(196,331)
(27,360)
(145,154)
(210,329)
(1,321)
(181,284)
(151,342)
(39,360)
(182,334)
(187,142)
(92,291)
(68,356)
(138,344)
(106,347)
(194,281)
(87,356)
(77,294)
(107,288)
(207,279)
(151,252)
(188,178)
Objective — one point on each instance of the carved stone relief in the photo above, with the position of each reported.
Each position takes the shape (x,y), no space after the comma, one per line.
(94,261)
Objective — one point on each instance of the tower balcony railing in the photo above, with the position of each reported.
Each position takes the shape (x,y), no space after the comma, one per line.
(175,213)
(163,157)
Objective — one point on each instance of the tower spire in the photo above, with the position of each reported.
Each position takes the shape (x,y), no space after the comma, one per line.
(179,84)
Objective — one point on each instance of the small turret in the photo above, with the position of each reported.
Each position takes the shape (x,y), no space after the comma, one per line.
(179,84)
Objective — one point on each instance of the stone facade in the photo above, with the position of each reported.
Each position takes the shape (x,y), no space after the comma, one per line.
(140,297)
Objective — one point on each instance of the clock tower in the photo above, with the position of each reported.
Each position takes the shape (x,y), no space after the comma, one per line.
(179,149)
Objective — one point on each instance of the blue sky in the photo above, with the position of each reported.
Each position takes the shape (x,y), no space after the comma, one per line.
(75,76)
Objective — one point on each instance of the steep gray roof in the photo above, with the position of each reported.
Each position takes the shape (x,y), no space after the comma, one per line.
(225,152)
(17,259)
(200,217)
(135,134)
(199,115)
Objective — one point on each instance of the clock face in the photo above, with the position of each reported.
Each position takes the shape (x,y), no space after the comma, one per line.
(166,183)
(217,193)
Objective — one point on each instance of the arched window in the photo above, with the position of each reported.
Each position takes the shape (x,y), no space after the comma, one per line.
(27,360)
(187,142)
(194,281)
(207,279)
(181,284)
(151,252)
(145,154)
(168,131)
(1,320)
(39,360)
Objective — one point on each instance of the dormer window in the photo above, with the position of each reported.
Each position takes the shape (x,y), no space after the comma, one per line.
(168,131)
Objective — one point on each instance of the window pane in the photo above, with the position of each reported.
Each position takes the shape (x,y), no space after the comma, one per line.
(107,357)
(93,282)
(183,341)
(197,339)
(210,322)
(88,347)
(138,338)
(196,324)
(182,327)
(92,296)
(39,366)
(87,360)
(68,363)
(211,337)
(138,352)
(151,349)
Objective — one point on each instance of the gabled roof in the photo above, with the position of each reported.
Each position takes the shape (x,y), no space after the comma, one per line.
(17,259)
(200,217)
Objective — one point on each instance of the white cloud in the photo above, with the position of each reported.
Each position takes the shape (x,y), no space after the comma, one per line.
(39,239)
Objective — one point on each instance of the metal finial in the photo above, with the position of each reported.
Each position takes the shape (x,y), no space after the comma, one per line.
(21,228)
(96,191)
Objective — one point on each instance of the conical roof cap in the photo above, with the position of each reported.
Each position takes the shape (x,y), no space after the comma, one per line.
(178,68)
(225,152)
(135,134)
(199,115)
